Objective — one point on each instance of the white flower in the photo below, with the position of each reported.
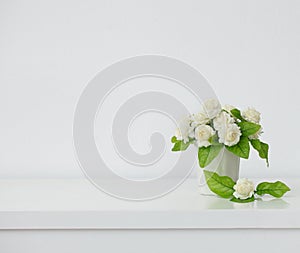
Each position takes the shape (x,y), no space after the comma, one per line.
(230,135)
(202,134)
(228,108)
(251,115)
(185,130)
(222,121)
(244,189)
(199,119)
(228,132)
(212,108)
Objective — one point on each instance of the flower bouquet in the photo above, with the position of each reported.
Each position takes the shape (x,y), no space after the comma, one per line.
(233,131)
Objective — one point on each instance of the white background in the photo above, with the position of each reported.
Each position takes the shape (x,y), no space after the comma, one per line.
(49,50)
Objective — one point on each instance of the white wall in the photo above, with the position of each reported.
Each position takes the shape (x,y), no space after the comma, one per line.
(49,50)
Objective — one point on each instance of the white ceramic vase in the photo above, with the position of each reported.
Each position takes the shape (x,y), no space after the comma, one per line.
(225,164)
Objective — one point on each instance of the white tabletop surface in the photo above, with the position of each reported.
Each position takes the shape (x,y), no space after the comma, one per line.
(72,204)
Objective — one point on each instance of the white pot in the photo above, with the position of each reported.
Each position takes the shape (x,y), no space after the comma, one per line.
(225,164)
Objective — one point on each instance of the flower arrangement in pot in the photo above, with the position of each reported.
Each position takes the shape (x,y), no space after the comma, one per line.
(223,135)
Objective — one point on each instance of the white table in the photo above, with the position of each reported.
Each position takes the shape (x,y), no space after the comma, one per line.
(74,216)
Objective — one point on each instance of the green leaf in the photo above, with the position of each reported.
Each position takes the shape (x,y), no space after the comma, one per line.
(214,140)
(248,128)
(220,185)
(262,148)
(207,154)
(173,139)
(277,189)
(237,113)
(251,199)
(181,146)
(256,144)
(241,149)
